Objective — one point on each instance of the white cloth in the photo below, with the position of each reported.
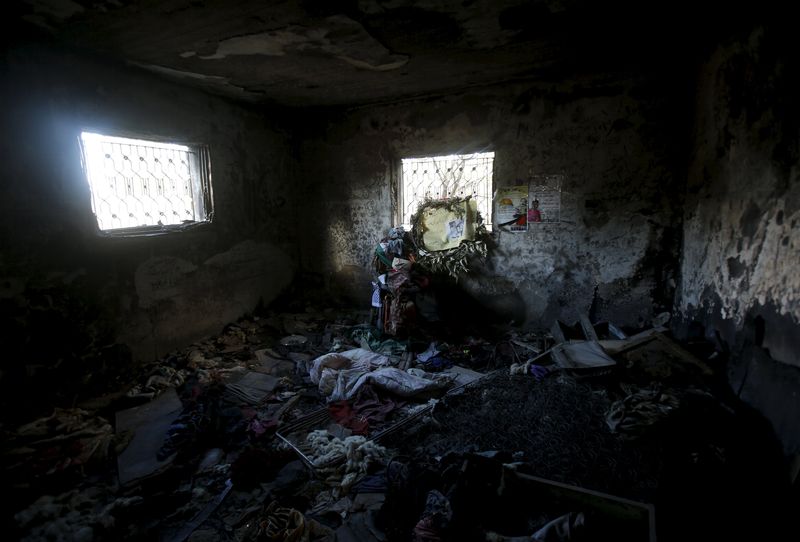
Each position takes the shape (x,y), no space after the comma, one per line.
(339,375)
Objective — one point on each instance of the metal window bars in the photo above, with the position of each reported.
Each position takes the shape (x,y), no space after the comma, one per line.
(138,184)
(441,177)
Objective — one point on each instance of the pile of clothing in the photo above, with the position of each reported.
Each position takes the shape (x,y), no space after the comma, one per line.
(340,375)
(398,282)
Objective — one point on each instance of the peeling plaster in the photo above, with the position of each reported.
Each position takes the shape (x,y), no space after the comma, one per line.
(757,269)
(57,9)
(338,36)
(740,283)
(392,62)
(272,43)
(213,81)
(296,52)
(741,239)
(181,73)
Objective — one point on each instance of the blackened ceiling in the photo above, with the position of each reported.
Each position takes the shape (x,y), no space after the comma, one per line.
(349,52)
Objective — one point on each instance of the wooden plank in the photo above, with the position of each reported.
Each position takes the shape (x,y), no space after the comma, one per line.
(588,328)
(557,332)
(617,347)
(638,515)
(615,331)
(655,334)
(675,349)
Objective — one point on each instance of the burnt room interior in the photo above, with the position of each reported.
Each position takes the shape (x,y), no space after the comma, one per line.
(345,270)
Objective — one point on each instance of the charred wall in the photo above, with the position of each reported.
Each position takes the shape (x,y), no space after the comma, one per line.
(740,284)
(616,139)
(77,304)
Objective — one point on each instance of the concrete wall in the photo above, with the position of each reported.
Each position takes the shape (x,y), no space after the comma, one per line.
(68,292)
(741,247)
(617,140)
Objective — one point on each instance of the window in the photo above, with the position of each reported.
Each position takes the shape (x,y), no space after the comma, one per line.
(440,177)
(146,185)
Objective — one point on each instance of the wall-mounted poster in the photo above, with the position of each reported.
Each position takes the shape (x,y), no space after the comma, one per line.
(545,199)
(511,208)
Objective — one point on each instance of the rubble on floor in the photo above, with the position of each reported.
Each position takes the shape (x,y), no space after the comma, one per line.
(314,425)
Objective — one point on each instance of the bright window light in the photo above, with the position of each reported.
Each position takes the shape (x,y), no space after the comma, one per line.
(450,176)
(137,183)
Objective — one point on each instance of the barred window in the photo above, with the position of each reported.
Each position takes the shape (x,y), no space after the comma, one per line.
(140,185)
(440,177)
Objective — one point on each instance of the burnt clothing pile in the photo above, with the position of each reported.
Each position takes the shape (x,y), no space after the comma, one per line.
(397,284)
(312,425)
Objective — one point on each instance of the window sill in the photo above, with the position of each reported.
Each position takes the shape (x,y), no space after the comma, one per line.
(154,231)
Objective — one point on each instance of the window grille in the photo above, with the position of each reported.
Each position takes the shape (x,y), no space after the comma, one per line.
(441,177)
(146,184)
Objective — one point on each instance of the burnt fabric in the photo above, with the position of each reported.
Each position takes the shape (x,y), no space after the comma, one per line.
(367,407)
(344,414)
(402,315)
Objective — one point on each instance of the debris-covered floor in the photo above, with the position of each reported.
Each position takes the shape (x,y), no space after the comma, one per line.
(311,425)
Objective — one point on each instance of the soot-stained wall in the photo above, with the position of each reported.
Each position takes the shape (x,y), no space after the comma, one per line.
(617,142)
(68,293)
(741,247)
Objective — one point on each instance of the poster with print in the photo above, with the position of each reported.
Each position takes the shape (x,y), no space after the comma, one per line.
(455,229)
(511,208)
(545,199)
